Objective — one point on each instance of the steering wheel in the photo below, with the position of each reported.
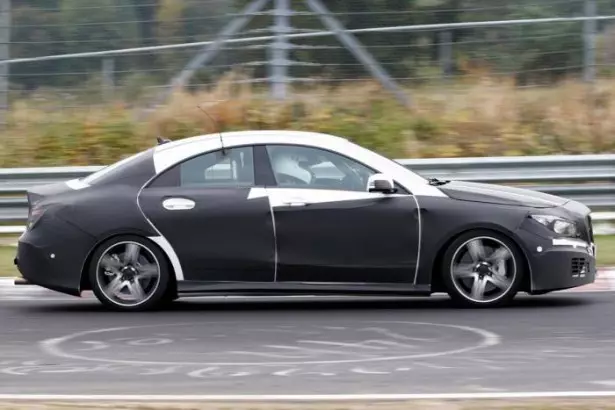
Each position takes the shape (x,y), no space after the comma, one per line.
(351,182)
(356,178)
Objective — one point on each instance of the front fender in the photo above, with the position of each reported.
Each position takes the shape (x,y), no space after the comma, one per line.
(444,219)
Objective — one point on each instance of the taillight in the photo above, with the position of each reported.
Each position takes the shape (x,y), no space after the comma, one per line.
(35,214)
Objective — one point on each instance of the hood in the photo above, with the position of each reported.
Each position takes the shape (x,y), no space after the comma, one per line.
(500,194)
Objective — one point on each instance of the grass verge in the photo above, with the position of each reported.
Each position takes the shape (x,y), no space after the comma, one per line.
(605,244)
(606,250)
(7,268)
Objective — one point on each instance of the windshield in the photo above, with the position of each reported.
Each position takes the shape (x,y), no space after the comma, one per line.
(392,165)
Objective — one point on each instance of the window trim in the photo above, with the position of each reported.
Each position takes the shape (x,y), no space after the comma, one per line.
(177,166)
(274,184)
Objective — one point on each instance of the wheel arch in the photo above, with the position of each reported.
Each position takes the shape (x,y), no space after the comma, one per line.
(437,283)
(84,282)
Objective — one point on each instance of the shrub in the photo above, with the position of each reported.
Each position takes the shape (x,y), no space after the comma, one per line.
(482,119)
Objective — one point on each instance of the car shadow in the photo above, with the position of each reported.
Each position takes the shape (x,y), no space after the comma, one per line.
(287,305)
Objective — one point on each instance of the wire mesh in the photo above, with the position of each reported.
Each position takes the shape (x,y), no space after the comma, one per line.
(530,54)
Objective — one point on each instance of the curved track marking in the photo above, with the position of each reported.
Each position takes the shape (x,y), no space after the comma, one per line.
(54,347)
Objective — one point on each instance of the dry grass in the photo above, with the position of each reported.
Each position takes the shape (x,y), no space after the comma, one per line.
(479,118)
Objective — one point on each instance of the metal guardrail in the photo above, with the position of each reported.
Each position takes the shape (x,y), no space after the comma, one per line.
(589,179)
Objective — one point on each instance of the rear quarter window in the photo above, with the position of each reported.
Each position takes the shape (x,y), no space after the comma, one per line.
(135,169)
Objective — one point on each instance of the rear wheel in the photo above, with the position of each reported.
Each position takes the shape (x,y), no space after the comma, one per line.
(130,273)
(482,268)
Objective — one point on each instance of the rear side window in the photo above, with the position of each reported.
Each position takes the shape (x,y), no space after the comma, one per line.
(234,168)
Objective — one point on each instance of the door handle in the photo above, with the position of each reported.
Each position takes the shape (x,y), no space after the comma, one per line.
(178,204)
(295,202)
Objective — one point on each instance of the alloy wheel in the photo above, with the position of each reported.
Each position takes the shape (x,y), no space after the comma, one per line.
(483,269)
(128,273)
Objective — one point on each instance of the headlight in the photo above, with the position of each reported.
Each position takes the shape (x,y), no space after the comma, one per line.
(559,225)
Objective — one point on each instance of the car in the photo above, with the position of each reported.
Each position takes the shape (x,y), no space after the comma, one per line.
(295,213)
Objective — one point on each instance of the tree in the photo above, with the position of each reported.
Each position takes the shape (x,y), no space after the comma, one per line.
(529,53)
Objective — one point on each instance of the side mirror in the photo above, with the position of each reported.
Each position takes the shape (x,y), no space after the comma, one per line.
(381,183)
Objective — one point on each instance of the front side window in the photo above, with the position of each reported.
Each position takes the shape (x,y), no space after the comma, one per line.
(233,168)
(306,167)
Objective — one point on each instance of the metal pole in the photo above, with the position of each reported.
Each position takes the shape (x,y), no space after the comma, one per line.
(278,57)
(590,29)
(446,52)
(210,51)
(360,53)
(108,82)
(5,39)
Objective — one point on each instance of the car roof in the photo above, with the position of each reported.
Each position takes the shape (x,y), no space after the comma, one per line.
(258,135)
(171,153)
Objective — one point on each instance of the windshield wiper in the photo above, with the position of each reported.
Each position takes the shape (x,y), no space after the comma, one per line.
(436,181)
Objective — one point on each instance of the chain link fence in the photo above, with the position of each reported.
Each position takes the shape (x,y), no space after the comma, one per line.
(444,51)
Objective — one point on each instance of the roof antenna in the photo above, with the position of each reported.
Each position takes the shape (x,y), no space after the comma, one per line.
(162,140)
(217,127)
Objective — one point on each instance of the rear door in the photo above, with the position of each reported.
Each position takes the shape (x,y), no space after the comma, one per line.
(206,209)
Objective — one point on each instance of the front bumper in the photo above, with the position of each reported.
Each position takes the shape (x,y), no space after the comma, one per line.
(52,255)
(564,267)
(558,264)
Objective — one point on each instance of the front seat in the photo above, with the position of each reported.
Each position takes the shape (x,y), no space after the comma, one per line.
(288,170)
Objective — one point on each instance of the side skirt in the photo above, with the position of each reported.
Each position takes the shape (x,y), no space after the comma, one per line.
(193,288)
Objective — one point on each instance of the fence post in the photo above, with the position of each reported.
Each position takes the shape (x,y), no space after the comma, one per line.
(108,81)
(5,40)
(278,57)
(590,28)
(446,52)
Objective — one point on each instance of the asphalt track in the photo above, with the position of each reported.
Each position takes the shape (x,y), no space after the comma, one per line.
(560,342)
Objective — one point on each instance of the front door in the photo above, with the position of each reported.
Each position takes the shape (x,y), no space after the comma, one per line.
(203,208)
(329,229)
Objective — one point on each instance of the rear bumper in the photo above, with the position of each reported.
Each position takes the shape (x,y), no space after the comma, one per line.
(52,255)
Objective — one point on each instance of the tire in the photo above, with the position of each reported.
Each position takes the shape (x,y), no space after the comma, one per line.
(488,278)
(110,268)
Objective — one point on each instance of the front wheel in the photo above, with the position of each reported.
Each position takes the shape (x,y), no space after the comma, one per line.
(482,268)
(129,273)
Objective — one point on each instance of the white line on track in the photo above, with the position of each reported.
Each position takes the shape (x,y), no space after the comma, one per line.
(306,397)
(53,347)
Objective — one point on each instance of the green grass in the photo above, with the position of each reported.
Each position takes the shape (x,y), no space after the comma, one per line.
(605,244)
(7,268)
(606,250)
